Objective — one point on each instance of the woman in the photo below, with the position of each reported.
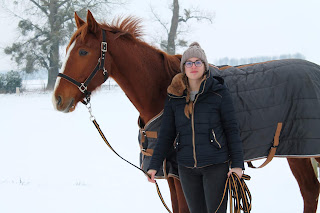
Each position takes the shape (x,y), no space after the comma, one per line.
(199,121)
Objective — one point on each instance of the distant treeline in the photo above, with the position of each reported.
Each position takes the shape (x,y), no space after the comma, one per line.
(237,61)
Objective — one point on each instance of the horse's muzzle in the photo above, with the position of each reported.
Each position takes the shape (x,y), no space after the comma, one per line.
(63,105)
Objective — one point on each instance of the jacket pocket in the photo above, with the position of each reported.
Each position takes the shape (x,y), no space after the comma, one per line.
(213,139)
(176,142)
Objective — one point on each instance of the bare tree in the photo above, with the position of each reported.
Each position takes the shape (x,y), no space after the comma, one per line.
(173,32)
(45,26)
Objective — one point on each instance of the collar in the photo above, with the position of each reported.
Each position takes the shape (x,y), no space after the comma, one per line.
(178,86)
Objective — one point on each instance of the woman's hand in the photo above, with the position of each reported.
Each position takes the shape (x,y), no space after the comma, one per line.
(152,173)
(238,171)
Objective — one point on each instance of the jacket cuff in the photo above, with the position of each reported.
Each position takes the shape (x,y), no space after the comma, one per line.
(237,165)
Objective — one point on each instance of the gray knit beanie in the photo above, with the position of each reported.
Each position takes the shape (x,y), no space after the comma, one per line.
(194,51)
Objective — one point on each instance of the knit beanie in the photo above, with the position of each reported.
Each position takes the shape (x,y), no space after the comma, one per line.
(194,51)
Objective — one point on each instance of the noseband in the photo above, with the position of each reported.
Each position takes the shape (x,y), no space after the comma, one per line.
(83,87)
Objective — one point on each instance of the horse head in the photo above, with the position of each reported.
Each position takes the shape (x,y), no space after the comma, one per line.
(97,51)
(84,55)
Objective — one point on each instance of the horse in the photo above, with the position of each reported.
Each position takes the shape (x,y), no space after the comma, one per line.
(143,72)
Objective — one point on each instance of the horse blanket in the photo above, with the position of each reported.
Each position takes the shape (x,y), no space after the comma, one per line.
(147,140)
(264,94)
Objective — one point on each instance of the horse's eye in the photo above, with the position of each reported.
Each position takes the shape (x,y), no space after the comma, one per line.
(83,52)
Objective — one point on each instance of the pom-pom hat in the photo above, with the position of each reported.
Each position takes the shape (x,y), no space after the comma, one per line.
(194,51)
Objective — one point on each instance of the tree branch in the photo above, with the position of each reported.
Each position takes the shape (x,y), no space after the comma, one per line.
(181,19)
(62,3)
(32,39)
(45,2)
(189,14)
(159,20)
(21,18)
(43,62)
(40,7)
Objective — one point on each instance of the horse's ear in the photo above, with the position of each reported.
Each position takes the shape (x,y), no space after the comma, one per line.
(93,25)
(79,21)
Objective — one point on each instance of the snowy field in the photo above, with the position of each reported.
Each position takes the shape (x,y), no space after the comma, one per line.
(57,163)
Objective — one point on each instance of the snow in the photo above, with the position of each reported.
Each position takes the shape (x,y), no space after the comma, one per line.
(57,163)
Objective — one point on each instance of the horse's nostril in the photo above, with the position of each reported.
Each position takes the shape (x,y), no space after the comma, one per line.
(59,100)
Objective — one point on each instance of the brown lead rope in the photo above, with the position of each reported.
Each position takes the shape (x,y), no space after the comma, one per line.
(108,144)
(92,118)
(238,193)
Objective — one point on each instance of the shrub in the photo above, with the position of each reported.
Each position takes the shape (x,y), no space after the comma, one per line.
(2,83)
(13,80)
(9,82)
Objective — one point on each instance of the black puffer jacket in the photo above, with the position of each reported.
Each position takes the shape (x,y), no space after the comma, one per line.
(211,134)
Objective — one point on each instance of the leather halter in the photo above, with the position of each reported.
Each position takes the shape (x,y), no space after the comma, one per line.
(83,87)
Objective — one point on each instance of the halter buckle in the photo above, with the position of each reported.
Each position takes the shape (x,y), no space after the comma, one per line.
(82,88)
(104,46)
(105,72)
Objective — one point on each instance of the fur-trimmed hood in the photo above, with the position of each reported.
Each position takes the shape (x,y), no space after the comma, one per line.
(179,88)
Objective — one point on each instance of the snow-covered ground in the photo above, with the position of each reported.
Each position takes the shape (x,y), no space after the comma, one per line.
(57,163)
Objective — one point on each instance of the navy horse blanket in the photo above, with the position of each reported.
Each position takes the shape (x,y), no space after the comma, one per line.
(265,94)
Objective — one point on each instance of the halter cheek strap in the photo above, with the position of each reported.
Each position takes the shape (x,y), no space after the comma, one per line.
(83,87)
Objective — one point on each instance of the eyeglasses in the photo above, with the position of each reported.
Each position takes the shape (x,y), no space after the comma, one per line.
(196,63)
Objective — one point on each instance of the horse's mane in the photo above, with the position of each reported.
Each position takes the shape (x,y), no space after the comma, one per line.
(129,27)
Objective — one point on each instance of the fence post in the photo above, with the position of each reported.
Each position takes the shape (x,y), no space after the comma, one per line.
(18,90)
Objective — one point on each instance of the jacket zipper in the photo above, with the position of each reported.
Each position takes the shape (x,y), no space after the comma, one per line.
(214,135)
(192,122)
(176,144)
(193,137)
(192,125)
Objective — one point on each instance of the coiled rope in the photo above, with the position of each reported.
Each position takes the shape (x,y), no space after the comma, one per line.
(239,194)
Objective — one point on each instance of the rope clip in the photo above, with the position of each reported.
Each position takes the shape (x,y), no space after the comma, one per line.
(92,118)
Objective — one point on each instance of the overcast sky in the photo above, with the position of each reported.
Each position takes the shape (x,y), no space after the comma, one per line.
(241,28)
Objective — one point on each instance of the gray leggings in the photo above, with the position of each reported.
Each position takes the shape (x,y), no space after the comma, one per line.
(203,187)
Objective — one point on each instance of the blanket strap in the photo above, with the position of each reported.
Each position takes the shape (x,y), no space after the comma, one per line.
(144,141)
(147,152)
(273,148)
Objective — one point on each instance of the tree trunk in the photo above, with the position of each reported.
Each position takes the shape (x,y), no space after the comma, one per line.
(54,65)
(171,48)
(54,49)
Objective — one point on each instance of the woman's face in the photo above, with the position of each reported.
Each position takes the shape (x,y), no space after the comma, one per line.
(196,71)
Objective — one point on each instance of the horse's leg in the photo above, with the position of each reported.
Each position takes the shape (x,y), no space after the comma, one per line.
(309,185)
(173,193)
(183,206)
(179,204)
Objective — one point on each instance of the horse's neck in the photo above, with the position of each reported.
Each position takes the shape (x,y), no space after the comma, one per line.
(144,81)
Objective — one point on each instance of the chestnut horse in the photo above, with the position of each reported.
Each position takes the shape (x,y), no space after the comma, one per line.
(144,73)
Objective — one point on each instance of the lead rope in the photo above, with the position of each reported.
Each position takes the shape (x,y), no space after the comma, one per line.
(238,193)
(92,118)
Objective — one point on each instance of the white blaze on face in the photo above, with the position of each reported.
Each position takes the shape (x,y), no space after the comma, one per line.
(62,71)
